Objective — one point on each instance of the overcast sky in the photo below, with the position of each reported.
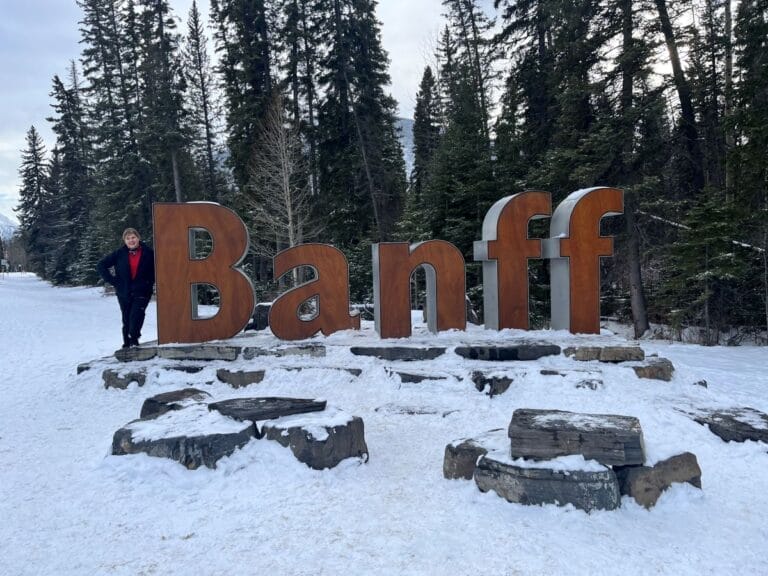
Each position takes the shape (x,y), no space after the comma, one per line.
(38,38)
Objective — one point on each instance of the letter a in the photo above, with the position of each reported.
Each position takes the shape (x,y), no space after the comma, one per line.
(504,251)
(575,248)
(393,264)
(177,273)
(331,287)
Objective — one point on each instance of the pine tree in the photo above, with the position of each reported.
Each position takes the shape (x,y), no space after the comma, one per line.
(71,175)
(530,105)
(110,59)
(202,103)
(461,185)
(298,45)
(33,207)
(426,132)
(705,270)
(751,116)
(470,28)
(691,163)
(362,172)
(163,139)
(245,52)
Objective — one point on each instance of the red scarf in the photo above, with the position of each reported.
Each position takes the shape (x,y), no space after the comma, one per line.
(133,260)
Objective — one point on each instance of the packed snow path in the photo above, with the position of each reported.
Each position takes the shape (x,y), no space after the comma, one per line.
(67,507)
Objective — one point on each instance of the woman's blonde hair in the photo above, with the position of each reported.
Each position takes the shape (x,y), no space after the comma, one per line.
(131,231)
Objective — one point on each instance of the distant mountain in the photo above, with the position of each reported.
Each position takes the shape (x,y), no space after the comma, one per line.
(405,128)
(7,227)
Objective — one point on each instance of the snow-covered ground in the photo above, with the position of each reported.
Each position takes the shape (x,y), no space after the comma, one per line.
(68,507)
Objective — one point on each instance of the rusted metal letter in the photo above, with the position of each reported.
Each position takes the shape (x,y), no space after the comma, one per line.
(575,247)
(393,264)
(505,250)
(178,272)
(330,286)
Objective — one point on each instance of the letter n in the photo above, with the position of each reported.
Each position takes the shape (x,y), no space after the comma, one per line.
(393,264)
(575,247)
(178,273)
(330,286)
(504,251)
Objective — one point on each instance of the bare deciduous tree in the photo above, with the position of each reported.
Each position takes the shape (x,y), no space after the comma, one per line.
(278,195)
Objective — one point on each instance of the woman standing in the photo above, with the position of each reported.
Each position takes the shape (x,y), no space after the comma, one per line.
(131,270)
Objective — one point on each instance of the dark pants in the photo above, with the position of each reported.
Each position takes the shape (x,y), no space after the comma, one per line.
(132,309)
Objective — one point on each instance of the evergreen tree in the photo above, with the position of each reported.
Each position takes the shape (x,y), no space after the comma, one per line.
(426,132)
(202,104)
(298,44)
(426,138)
(362,172)
(243,43)
(461,186)
(470,28)
(70,176)
(751,116)
(529,103)
(705,271)
(163,139)
(120,179)
(33,208)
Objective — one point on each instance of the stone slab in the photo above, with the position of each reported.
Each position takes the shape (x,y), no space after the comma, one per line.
(176,435)
(413,377)
(175,400)
(735,424)
(121,379)
(646,483)
(461,456)
(612,354)
(655,368)
(240,378)
(496,384)
(585,489)
(205,352)
(320,441)
(512,352)
(311,350)
(267,408)
(608,438)
(136,354)
(394,353)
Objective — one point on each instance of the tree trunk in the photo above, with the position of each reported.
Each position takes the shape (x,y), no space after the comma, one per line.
(730,140)
(310,88)
(636,291)
(688,119)
(176,177)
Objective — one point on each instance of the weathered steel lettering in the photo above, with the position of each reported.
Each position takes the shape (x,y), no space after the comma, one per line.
(178,272)
(330,286)
(393,264)
(574,248)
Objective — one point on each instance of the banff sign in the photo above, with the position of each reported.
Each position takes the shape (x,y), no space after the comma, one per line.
(574,249)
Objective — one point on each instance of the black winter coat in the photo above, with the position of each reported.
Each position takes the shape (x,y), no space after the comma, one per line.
(121,279)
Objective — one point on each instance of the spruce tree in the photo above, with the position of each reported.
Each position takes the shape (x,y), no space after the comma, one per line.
(33,209)
(71,179)
(202,104)
(751,116)
(243,42)
(426,132)
(163,140)
(362,172)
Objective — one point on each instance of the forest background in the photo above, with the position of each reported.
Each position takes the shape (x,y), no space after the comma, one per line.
(279,110)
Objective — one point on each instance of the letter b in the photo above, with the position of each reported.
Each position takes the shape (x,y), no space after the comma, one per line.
(177,273)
